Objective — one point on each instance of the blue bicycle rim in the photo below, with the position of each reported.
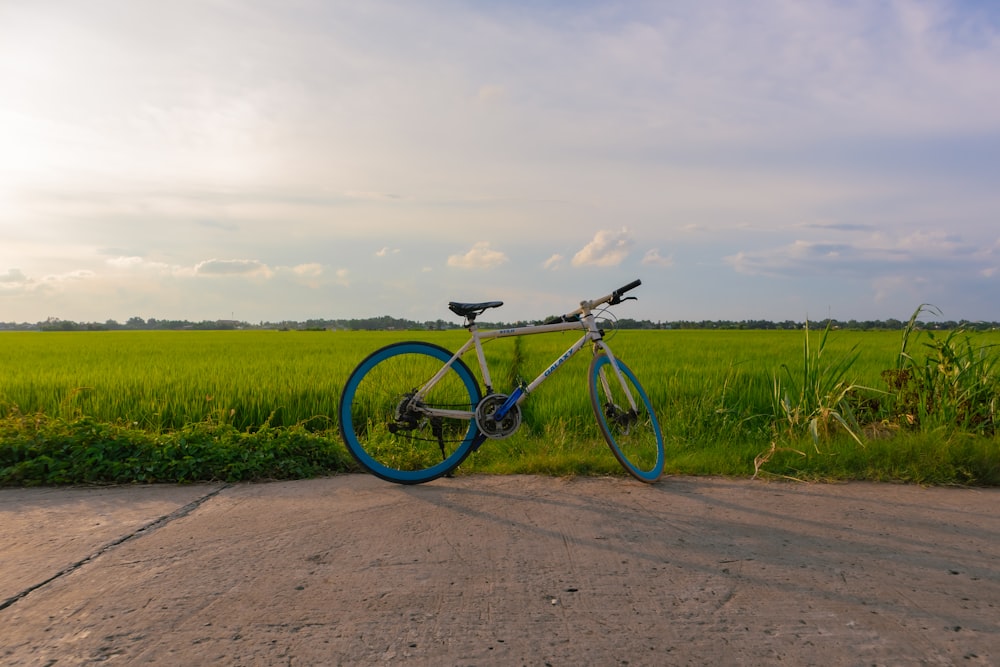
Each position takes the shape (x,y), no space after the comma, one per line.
(347,421)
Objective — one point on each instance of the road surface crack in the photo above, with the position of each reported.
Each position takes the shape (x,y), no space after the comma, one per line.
(139,532)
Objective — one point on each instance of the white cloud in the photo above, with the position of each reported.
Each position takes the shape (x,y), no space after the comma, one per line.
(309,274)
(608,248)
(481,256)
(74,276)
(554,262)
(79,274)
(13,277)
(312,269)
(800,258)
(233,267)
(931,242)
(125,262)
(882,256)
(134,263)
(653,258)
(385,251)
(14,281)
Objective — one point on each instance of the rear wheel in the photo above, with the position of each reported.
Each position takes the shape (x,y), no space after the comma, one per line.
(389,432)
(633,435)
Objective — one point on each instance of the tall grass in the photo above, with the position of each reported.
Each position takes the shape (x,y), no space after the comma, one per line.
(933,422)
(819,396)
(162,380)
(953,384)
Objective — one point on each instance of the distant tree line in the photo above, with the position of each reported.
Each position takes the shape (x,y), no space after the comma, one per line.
(388,323)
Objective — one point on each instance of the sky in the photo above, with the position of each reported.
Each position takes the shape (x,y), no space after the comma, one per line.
(268,160)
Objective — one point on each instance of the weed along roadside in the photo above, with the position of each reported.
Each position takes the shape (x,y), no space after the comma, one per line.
(111,407)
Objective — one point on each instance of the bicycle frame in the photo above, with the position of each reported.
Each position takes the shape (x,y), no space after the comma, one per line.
(592,334)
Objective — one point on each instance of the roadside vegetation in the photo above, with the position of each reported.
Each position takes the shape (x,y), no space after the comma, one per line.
(915,405)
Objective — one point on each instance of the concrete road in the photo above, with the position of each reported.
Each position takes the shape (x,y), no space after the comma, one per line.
(514,570)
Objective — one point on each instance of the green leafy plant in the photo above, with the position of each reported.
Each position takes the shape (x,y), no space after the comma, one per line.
(35,449)
(818,398)
(953,384)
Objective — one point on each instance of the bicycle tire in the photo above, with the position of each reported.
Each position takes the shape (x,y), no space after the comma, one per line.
(634,439)
(407,448)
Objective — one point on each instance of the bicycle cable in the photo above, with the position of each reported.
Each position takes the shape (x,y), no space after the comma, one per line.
(605,318)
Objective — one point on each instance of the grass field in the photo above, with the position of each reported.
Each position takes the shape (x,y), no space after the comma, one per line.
(730,402)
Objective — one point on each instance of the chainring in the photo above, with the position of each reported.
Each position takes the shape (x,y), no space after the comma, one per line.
(489,426)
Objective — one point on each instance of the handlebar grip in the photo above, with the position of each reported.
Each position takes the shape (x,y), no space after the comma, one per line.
(616,296)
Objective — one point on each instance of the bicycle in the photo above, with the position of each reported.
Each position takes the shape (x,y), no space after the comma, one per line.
(411,412)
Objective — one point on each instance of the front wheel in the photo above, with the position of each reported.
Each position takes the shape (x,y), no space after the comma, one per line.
(401,438)
(633,435)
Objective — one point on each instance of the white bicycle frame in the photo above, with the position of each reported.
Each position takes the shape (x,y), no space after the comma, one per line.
(592,334)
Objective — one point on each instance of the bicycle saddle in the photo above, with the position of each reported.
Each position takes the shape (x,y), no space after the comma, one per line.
(472,309)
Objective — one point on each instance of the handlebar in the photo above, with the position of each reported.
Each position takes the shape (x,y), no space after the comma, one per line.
(612,299)
(616,296)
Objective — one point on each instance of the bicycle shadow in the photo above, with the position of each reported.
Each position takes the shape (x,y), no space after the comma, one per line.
(799,541)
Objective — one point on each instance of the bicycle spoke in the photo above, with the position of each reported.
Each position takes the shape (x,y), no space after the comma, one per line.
(632,434)
(394,435)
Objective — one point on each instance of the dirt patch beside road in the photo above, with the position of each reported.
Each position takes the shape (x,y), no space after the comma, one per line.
(502,570)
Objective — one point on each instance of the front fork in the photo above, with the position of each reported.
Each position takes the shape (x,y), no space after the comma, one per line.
(626,416)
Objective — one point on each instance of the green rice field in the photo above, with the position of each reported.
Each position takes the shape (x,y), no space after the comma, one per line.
(730,402)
